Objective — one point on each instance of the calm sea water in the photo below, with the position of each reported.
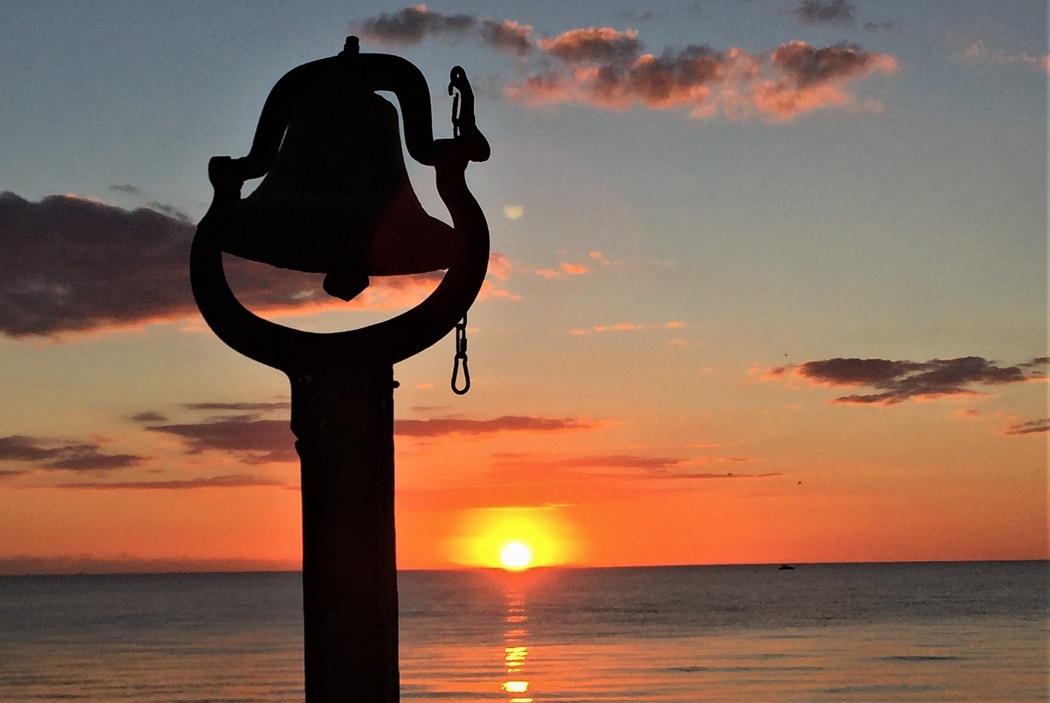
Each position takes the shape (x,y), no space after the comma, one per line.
(859,632)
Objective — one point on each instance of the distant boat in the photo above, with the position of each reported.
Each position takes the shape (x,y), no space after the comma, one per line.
(785,567)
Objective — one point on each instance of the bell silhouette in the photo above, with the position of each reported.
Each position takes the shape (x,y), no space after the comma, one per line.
(336,197)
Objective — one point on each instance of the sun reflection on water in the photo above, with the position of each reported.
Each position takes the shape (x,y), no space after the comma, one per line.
(515,649)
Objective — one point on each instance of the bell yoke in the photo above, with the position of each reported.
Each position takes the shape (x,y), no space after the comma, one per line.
(336,197)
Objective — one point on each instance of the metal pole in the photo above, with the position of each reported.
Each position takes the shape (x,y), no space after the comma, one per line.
(344,422)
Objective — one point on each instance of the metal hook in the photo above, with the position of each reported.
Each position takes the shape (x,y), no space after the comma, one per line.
(456,76)
(461,357)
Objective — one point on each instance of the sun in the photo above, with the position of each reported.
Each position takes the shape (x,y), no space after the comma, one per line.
(515,556)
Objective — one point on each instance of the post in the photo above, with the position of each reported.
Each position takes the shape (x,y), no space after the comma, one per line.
(342,382)
(344,421)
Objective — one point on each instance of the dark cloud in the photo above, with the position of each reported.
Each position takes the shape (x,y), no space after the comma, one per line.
(506,36)
(169,210)
(55,454)
(411,25)
(247,437)
(816,12)
(508,423)
(148,416)
(414,24)
(240,407)
(227,481)
(72,265)
(1030,427)
(807,66)
(126,189)
(880,27)
(897,381)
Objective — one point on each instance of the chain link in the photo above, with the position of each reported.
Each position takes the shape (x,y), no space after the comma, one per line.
(461,326)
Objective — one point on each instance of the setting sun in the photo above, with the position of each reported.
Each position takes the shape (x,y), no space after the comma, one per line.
(515,556)
(513,538)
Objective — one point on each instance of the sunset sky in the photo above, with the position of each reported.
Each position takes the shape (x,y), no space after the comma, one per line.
(769,284)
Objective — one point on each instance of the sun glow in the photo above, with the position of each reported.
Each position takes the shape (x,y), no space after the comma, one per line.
(515,556)
(512,538)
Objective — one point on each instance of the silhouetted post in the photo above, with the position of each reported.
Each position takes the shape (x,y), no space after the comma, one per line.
(336,200)
(344,421)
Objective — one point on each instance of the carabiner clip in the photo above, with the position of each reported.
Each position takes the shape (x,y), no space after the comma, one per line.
(461,356)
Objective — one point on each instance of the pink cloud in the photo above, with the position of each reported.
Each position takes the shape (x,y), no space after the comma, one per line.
(573,269)
(793,79)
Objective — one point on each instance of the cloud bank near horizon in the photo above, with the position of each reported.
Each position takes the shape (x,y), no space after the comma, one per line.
(610,69)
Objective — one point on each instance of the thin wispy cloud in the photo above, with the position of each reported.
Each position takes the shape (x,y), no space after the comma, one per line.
(438,427)
(1030,427)
(980,53)
(840,13)
(893,382)
(626,327)
(240,407)
(224,481)
(607,68)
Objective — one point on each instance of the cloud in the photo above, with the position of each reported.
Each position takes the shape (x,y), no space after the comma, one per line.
(612,466)
(71,265)
(687,475)
(414,24)
(897,381)
(23,565)
(507,36)
(606,68)
(240,407)
(1030,427)
(65,456)
(793,79)
(127,189)
(246,437)
(148,416)
(565,268)
(626,327)
(437,427)
(627,461)
(226,481)
(880,26)
(979,52)
(593,45)
(816,12)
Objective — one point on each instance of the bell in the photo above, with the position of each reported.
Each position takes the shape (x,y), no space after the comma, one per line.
(336,197)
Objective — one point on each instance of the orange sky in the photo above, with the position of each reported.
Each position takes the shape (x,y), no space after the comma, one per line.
(762,289)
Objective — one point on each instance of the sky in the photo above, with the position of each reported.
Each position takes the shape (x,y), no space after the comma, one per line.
(768,284)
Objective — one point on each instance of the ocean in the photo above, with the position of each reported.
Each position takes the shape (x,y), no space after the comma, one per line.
(829,632)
